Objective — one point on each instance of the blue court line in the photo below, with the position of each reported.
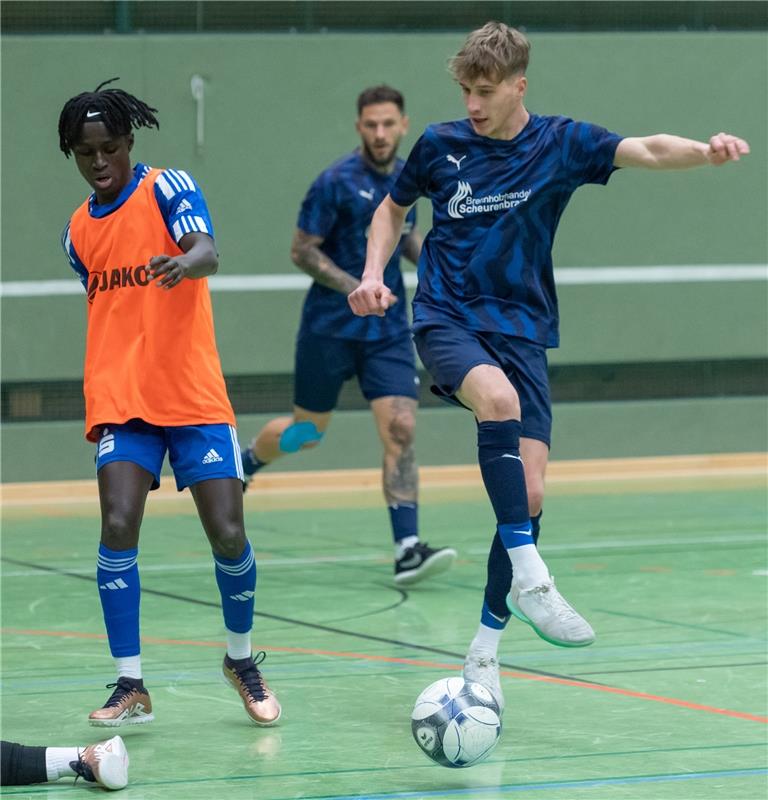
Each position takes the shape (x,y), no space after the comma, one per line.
(526,787)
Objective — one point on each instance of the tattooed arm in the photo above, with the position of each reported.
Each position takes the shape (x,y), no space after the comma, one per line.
(308,257)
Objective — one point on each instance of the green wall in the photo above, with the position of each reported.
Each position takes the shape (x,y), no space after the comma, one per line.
(279,108)
(41,451)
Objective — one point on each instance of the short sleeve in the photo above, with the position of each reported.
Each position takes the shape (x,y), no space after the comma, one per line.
(72,257)
(319,209)
(182,204)
(588,152)
(413,180)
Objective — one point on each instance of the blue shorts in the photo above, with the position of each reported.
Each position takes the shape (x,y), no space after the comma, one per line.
(196,452)
(384,368)
(449,352)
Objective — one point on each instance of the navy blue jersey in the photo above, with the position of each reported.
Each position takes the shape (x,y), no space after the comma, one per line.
(487,262)
(339,207)
(179,199)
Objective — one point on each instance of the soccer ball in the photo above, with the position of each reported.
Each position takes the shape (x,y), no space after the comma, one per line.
(456,723)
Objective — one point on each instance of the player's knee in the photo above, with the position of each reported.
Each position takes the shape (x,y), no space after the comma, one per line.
(402,430)
(228,540)
(119,531)
(500,404)
(300,435)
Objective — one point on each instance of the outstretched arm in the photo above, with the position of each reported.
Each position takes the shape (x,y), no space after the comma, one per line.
(372,296)
(308,257)
(199,261)
(664,151)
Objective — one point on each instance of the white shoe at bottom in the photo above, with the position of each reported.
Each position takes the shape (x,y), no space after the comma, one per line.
(482,668)
(104,763)
(550,615)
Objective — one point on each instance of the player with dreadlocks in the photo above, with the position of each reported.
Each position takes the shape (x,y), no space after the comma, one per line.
(142,245)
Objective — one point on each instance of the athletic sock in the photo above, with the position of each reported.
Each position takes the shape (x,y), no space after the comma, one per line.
(238,644)
(404,520)
(57,760)
(251,462)
(129,667)
(487,637)
(498,445)
(236,579)
(117,575)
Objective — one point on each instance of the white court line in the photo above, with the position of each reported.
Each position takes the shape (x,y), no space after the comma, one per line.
(565,276)
(628,544)
(641,543)
(207,566)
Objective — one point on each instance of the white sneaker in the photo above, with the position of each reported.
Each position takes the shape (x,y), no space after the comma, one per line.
(104,763)
(550,615)
(479,667)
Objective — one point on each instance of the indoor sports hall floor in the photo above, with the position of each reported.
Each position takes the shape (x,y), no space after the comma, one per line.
(666,558)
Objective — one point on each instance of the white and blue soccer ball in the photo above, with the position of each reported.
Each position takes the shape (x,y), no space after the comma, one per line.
(456,723)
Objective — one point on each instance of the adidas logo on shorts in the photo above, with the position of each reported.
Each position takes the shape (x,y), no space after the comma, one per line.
(211,457)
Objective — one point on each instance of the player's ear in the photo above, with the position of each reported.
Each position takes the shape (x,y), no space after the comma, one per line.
(405,122)
(130,142)
(522,85)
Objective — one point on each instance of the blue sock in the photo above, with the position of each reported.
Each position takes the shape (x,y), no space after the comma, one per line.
(117,575)
(498,453)
(236,578)
(251,464)
(492,620)
(404,518)
(499,577)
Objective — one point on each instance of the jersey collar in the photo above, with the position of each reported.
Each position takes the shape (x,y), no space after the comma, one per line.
(98,211)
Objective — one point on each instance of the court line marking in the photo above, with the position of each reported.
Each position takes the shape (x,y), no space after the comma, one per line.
(564,276)
(672,623)
(545,678)
(508,788)
(628,544)
(298,622)
(687,667)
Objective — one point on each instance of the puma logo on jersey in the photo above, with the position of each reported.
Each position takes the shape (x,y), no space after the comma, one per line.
(456,161)
(367,195)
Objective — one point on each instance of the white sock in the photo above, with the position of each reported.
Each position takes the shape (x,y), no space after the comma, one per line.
(238,644)
(129,667)
(528,567)
(401,545)
(57,761)
(486,640)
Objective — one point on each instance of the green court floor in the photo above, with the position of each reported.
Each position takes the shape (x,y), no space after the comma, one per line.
(670,702)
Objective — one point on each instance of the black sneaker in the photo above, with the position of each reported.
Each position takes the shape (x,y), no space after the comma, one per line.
(421,561)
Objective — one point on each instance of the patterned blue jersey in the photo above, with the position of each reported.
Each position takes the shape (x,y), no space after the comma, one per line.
(339,207)
(487,262)
(179,199)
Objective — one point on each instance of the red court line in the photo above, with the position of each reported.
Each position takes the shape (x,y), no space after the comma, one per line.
(415,663)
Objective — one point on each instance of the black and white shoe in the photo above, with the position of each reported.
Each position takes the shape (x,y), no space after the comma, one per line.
(421,561)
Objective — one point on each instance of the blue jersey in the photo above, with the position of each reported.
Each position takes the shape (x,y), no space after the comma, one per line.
(339,207)
(179,199)
(487,262)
